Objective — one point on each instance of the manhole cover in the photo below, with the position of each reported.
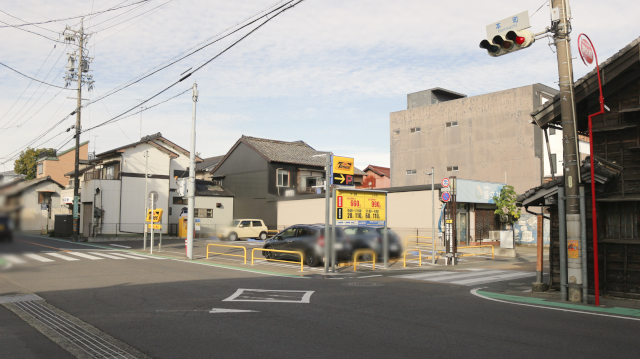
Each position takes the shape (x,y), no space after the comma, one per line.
(364,284)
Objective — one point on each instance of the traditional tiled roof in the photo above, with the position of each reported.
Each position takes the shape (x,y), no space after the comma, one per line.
(297,152)
(380,171)
(150,140)
(20,186)
(210,189)
(208,164)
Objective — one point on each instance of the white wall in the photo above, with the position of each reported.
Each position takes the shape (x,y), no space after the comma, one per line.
(32,218)
(555,144)
(221,216)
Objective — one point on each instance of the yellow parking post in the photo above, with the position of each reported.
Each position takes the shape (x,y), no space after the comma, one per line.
(278,260)
(227,254)
(359,252)
(404,257)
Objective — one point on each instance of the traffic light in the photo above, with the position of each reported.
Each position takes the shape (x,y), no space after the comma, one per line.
(512,41)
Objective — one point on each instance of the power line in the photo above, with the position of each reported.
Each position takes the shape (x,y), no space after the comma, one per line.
(116,16)
(161,5)
(17,18)
(76,17)
(539,8)
(33,79)
(33,32)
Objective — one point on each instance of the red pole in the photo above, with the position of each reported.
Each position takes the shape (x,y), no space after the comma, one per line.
(594,219)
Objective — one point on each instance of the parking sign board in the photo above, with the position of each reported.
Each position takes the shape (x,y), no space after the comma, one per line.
(360,208)
(446,197)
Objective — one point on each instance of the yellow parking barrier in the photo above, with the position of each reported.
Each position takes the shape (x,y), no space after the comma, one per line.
(476,254)
(227,254)
(404,256)
(360,252)
(278,260)
(417,243)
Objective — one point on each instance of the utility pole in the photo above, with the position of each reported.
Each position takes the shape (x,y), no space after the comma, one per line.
(561,29)
(191,191)
(77,76)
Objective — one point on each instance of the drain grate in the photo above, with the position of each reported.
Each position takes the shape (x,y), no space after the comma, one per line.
(89,343)
(364,284)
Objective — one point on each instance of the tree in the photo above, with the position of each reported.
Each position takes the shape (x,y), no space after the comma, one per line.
(27,163)
(506,204)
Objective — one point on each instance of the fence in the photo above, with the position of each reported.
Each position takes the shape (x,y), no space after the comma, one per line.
(126,229)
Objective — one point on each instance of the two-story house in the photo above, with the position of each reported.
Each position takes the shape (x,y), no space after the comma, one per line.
(56,164)
(116,184)
(258,170)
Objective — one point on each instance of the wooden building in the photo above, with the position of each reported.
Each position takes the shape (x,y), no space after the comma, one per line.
(616,148)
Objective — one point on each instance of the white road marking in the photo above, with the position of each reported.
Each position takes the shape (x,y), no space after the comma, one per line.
(494,278)
(268,296)
(58,255)
(475,292)
(37,257)
(105,255)
(93,258)
(117,245)
(144,255)
(13,259)
(222,310)
(126,255)
(371,276)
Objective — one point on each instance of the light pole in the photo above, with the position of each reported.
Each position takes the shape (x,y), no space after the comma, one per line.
(191,194)
(433,216)
(327,216)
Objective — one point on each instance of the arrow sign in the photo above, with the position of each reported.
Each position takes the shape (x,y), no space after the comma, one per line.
(342,179)
(223,310)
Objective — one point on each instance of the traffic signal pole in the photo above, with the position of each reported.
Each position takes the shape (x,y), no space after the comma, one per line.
(570,153)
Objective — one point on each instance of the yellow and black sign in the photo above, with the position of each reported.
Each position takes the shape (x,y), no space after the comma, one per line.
(155,226)
(343,165)
(365,208)
(342,179)
(157,215)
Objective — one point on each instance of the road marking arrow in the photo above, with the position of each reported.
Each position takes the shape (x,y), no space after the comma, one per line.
(223,310)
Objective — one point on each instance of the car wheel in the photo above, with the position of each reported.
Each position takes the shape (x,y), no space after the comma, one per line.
(312,259)
(263,236)
(268,254)
(232,236)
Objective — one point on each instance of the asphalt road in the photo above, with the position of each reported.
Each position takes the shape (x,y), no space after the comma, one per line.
(164,308)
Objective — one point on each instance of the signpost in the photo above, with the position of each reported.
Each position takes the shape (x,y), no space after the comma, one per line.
(449,196)
(362,208)
(342,170)
(445,182)
(157,217)
(588,54)
(512,23)
(446,197)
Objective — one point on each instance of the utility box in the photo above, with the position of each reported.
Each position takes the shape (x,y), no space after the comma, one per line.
(506,239)
(182,227)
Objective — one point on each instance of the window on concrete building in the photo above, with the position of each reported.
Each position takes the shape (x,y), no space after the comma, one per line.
(39,168)
(44,197)
(415,129)
(552,131)
(411,172)
(204,212)
(452,168)
(452,124)
(283,178)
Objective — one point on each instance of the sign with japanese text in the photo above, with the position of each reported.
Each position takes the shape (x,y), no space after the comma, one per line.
(512,23)
(445,182)
(157,215)
(343,165)
(585,47)
(155,226)
(360,208)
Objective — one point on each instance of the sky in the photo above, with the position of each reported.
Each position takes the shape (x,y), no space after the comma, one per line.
(327,72)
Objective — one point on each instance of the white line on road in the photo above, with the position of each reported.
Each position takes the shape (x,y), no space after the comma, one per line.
(222,310)
(105,255)
(494,278)
(117,245)
(37,257)
(371,276)
(93,258)
(126,255)
(144,255)
(58,255)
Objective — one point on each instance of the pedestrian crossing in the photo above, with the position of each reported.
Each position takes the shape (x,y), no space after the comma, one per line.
(469,277)
(71,256)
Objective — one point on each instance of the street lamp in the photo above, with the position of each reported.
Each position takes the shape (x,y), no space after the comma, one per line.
(327,208)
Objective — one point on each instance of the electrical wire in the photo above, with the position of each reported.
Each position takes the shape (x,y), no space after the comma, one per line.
(17,18)
(35,33)
(117,16)
(33,79)
(159,6)
(546,1)
(76,17)
(170,62)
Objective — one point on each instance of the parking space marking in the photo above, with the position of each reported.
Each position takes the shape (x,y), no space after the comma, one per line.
(271,296)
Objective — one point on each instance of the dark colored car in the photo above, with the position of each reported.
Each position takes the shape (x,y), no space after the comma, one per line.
(308,239)
(371,237)
(5,228)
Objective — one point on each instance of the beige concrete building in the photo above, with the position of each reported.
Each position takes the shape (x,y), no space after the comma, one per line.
(485,138)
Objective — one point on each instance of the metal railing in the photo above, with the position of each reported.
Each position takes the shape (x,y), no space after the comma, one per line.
(476,254)
(360,252)
(417,242)
(404,257)
(227,254)
(278,260)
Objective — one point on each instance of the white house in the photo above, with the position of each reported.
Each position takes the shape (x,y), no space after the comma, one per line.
(32,204)
(113,187)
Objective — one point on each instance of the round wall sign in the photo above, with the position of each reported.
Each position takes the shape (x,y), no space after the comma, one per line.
(445,182)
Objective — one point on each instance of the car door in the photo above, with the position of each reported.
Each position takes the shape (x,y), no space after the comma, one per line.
(302,242)
(283,241)
(256,228)
(244,229)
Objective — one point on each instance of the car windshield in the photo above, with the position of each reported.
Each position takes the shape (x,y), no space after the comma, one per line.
(234,223)
(381,231)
